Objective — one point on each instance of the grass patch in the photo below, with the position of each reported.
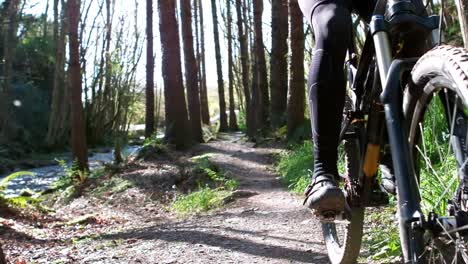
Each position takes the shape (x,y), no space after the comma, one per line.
(381,237)
(27,198)
(70,185)
(211,188)
(202,200)
(210,174)
(113,185)
(295,167)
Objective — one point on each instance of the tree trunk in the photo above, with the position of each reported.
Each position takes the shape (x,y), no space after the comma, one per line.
(279,66)
(243,59)
(109,109)
(296,103)
(223,125)
(462,8)
(59,109)
(205,111)
(191,71)
(65,115)
(232,114)
(196,23)
(45,21)
(78,136)
(262,82)
(177,125)
(2,255)
(149,117)
(12,10)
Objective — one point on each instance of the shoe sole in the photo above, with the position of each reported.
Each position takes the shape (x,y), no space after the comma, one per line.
(330,202)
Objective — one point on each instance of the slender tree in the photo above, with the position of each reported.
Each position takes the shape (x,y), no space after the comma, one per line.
(60,109)
(177,125)
(243,58)
(108,72)
(279,66)
(149,117)
(262,81)
(78,136)
(205,111)
(223,124)
(296,103)
(232,114)
(191,71)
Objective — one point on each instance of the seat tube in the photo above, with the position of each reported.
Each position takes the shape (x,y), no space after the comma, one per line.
(382,46)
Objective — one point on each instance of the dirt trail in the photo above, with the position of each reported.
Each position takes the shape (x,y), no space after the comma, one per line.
(270,226)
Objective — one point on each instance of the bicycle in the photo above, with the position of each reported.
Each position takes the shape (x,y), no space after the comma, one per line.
(416,102)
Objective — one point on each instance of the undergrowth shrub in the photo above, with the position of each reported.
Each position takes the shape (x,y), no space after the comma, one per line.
(295,167)
(25,199)
(213,187)
(381,237)
(152,146)
(72,176)
(242,121)
(202,200)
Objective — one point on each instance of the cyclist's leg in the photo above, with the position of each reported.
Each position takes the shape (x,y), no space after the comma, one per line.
(326,84)
(331,21)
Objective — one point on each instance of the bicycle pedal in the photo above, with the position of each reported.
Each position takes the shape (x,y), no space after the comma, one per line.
(327,217)
(330,216)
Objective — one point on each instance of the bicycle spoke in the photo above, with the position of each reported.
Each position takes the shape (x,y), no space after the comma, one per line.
(446,191)
(452,123)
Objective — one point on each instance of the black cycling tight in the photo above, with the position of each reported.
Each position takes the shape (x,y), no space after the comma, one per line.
(331,22)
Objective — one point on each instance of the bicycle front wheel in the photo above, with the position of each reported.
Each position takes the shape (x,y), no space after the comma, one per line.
(343,238)
(438,120)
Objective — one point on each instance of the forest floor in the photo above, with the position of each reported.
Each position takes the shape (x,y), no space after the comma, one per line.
(266,225)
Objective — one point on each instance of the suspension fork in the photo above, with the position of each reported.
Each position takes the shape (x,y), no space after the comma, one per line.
(390,76)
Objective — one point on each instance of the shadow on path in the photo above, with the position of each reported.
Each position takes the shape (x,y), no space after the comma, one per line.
(191,236)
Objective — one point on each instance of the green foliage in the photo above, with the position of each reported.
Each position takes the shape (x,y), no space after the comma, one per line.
(231,184)
(202,200)
(32,82)
(217,188)
(153,141)
(72,177)
(242,121)
(113,185)
(296,165)
(26,198)
(452,31)
(21,201)
(152,146)
(73,172)
(438,166)
(381,236)
(282,131)
(203,165)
